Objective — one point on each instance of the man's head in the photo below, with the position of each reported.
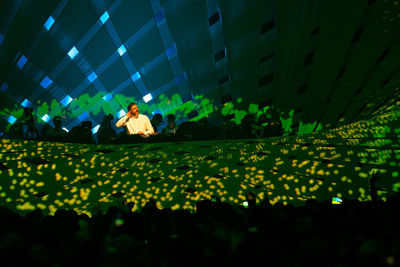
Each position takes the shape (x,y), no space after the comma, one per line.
(171,118)
(133,108)
(157,117)
(57,121)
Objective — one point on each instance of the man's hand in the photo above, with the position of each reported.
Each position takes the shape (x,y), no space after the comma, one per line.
(141,133)
(129,114)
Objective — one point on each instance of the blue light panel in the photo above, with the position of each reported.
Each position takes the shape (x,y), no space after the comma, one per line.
(73,52)
(121,113)
(156,111)
(4,87)
(83,116)
(21,62)
(171,52)
(107,97)
(104,17)
(121,50)
(135,76)
(180,78)
(46,82)
(1,38)
(95,129)
(46,118)
(11,119)
(92,76)
(160,17)
(147,98)
(49,22)
(66,100)
(26,103)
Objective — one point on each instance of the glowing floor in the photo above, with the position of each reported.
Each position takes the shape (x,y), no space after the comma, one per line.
(337,163)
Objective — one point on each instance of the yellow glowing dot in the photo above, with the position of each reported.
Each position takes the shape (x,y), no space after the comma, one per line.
(350,192)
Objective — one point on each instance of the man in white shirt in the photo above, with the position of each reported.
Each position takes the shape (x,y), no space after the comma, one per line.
(135,123)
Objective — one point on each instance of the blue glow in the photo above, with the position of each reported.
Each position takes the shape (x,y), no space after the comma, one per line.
(104,17)
(66,100)
(46,82)
(121,50)
(147,98)
(65,129)
(11,119)
(4,87)
(121,113)
(171,52)
(49,22)
(135,76)
(46,118)
(73,52)
(107,97)
(83,116)
(95,129)
(156,111)
(160,17)
(1,38)
(92,76)
(21,62)
(180,78)
(26,103)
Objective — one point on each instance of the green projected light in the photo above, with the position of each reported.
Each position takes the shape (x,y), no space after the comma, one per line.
(291,169)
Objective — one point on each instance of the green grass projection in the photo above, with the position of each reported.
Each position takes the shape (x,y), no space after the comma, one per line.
(291,169)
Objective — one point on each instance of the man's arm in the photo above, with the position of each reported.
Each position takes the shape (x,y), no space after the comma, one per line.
(121,122)
(148,126)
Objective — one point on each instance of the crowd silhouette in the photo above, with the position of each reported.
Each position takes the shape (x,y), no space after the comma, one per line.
(266,125)
(319,233)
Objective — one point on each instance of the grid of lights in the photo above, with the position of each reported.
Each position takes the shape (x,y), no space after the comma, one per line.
(104,17)
(147,98)
(92,76)
(46,82)
(135,77)
(73,52)
(49,22)
(26,103)
(22,61)
(46,118)
(96,129)
(121,50)
(121,113)
(66,100)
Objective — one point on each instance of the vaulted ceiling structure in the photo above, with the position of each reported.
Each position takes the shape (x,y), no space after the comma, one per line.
(320,63)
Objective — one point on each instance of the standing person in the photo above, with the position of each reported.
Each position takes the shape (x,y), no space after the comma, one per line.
(135,123)
(171,128)
(156,121)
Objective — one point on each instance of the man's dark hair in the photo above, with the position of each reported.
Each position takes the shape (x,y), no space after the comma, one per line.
(130,105)
(171,117)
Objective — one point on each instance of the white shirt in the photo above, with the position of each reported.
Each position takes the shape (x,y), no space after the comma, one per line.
(135,125)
